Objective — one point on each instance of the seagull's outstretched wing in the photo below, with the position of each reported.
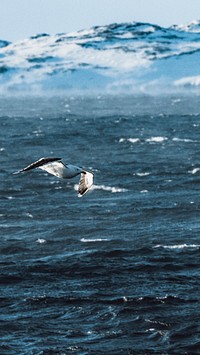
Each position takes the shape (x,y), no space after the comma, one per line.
(85,183)
(38,164)
(56,167)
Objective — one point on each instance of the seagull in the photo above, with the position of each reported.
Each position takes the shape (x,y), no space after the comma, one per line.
(56,167)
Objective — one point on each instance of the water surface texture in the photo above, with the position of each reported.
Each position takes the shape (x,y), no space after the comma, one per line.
(116,271)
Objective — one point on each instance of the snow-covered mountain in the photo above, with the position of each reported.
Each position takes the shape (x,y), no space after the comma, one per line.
(125,57)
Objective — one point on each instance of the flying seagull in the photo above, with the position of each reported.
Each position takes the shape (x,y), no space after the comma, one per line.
(56,167)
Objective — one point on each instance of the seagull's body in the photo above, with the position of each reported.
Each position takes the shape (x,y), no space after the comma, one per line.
(56,167)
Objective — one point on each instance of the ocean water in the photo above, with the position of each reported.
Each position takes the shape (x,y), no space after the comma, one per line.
(116,271)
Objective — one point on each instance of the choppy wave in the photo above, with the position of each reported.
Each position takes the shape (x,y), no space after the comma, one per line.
(112,189)
(157,139)
(131,140)
(194,171)
(41,241)
(141,174)
(186,140)
(117,271)
(94,240)
(179,246)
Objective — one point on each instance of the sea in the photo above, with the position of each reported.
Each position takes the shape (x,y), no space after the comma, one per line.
(116,271)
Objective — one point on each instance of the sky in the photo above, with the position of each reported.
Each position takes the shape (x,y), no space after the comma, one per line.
(20,19)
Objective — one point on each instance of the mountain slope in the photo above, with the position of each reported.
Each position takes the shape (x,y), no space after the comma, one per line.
(136,57)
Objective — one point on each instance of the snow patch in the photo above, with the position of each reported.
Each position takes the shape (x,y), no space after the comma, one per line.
(120,57)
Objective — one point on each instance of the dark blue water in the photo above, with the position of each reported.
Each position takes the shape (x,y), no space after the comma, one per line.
(117,271)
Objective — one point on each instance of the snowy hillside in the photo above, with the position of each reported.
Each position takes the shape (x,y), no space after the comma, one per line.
(126,57)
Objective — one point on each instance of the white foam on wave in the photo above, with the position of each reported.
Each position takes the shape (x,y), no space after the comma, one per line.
(85,240)
(193,171)
(131,140)
(41,241)
(28,215)
(112,189)
(158,139)
(175,101)
(178,246)
(186,140)
(142,174)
